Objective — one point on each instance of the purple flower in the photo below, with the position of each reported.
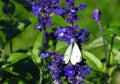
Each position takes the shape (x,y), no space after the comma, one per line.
(59,11)
(55,3)
(69,3)
(83,37)
(74,73)
(82,69)
(39,27)
(69,71)
(44,55)
(46,6)
(43,22)
(83,32)
(43,9)
(36,9)
(28,0)
(67,33)
(72,18)
(82,6)
(96,15)
(58,69)
(71,12)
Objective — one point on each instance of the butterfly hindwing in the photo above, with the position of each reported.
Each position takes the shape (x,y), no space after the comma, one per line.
(67,54)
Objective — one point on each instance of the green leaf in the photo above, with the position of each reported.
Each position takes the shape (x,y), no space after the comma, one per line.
(95,44)
(21,13)
(114,52)
(21,26)
(15,57)
(9,70)
(2,38)
(113,30)
(27,33)
(116,77)
(117,37)
(37,45)
(112,58)
(59,21)
(92,60)
(36,49)
(117,42)
(61,47)
(117,55)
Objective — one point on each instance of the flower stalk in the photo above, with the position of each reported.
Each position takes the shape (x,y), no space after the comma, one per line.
(43,40)
(97,16)
(103,39)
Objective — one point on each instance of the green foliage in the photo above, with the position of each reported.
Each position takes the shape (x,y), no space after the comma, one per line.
(15,57)
(37,49)
(20,43)
(92,60)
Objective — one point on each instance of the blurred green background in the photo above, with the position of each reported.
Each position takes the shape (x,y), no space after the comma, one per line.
(26,37)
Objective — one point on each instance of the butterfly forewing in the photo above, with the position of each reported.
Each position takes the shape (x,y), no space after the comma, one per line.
(75,55)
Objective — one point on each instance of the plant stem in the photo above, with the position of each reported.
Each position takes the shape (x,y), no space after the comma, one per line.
(43,40)
(105,51)
(41,74)
(111,47)
(11,48)
(72,25)
(9,25)
(42,50)
(104,44)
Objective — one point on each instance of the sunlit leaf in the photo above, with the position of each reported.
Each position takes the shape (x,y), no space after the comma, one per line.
(117,55)
(117,37)
(15,57)
(37,49)
(21,26)
(112,58)
(113,28)
(116,78)
(92,60)
(94,44)
(61,47)
(59,21)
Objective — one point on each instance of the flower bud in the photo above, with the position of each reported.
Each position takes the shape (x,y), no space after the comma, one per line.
(96,14)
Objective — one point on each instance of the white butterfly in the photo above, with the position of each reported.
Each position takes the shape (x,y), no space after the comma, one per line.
(73,53)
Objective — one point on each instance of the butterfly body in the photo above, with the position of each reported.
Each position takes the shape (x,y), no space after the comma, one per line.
(72,53)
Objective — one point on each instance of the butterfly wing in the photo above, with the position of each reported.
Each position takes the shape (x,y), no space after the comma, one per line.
(67,54)
(76,54)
